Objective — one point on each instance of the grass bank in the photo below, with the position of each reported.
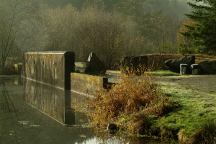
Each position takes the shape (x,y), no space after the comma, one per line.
(182,108)
(133,105)
(196,115)
(162,73)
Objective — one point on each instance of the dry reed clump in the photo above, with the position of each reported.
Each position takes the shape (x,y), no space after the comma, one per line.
(131,70)
(182,137)
(130,104)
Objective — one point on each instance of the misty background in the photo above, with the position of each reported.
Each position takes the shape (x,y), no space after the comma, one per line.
(110,28)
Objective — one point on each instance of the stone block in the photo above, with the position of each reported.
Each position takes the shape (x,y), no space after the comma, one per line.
(95,65)
(52,68)
(87,84)
(174,64)
(208,67)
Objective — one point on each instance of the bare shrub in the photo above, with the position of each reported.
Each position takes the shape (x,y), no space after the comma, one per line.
(90,29)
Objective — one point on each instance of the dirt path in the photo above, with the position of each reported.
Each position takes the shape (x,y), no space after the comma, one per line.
(202,83)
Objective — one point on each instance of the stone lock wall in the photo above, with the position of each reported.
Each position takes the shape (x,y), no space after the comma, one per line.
(87,84)
(45,73)
(51,68)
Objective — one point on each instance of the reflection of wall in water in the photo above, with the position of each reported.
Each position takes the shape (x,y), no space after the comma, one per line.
(50,101)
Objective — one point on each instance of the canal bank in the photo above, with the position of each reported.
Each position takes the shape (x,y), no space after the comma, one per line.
(139,103)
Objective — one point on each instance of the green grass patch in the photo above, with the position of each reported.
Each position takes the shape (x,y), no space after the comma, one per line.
(173,108)
(131,104)
(197,109)
(163,73)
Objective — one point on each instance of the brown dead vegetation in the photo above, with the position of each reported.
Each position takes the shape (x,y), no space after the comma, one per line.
(132,105)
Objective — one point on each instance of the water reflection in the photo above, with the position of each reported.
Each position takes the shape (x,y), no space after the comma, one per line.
(50,101)
(22,124)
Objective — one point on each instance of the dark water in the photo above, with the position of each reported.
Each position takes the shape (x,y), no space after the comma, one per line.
(31,113)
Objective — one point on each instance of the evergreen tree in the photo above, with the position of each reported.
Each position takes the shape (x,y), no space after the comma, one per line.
(203,33)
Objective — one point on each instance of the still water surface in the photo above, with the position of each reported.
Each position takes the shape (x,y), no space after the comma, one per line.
(32,113)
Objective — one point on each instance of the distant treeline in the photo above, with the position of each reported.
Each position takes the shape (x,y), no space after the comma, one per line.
(110,28)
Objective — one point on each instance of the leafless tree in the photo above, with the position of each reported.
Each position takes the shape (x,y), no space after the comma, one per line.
(7,31)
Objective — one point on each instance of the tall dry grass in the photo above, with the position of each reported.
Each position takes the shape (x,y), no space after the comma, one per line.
(131,104)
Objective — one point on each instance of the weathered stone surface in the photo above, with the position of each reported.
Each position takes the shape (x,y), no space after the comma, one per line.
(95,65)
(87,84)
(134,65)
(207,67)
(174,64)
(51,68)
